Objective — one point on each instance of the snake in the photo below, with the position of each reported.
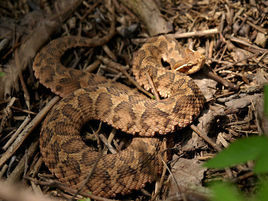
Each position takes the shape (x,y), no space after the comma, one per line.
(87,96)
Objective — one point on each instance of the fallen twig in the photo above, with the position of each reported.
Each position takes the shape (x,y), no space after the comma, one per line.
(195,33)
(27,130)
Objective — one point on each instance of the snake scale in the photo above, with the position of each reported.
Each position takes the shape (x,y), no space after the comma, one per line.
(88,96)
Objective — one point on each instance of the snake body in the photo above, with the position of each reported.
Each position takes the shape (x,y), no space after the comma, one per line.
(88,96)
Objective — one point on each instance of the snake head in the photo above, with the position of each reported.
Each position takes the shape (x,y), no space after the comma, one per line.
(192,62)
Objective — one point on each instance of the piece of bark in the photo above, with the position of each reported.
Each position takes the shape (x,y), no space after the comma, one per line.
(150,15)
(32,44)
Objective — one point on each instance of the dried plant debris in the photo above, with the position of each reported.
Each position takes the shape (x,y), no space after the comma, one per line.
(231,34)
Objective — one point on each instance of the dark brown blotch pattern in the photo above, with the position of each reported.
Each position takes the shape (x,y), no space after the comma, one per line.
(72,145)
(125,107)
(103,105)
(69,112)
(74,168)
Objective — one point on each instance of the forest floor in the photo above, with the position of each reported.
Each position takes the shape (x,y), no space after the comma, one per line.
(231,34)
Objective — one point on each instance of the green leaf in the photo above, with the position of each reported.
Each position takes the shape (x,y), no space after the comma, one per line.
(2,74)
(266,100)
(225,191)
(240,151)
(262,193)
(261,163)
(85,199)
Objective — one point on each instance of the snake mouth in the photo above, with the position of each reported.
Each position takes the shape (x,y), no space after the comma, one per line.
(185,68)
(189,67)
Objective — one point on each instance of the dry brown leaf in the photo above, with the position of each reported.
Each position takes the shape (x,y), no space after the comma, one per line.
(13,192)
(188,174)
(206,85)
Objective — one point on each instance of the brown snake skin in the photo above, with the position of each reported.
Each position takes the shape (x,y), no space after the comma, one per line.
(87,96)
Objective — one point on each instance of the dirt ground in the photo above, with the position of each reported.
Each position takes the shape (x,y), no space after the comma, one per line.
(231,34)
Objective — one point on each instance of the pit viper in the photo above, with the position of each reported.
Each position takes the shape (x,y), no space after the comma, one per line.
(88,96)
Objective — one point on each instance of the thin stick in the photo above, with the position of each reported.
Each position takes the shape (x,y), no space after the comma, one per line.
(122,69)
(108,145)
(253,25)
(67,189)
(242,42)
(206,138)
(14,136)
(18,171)
(28,129)
(236,62)
(23,110)
(221,80)
(3,170)
(175,180)
(195,33)
(153,86)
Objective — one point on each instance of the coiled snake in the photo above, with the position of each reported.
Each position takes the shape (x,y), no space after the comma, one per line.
(87,96)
